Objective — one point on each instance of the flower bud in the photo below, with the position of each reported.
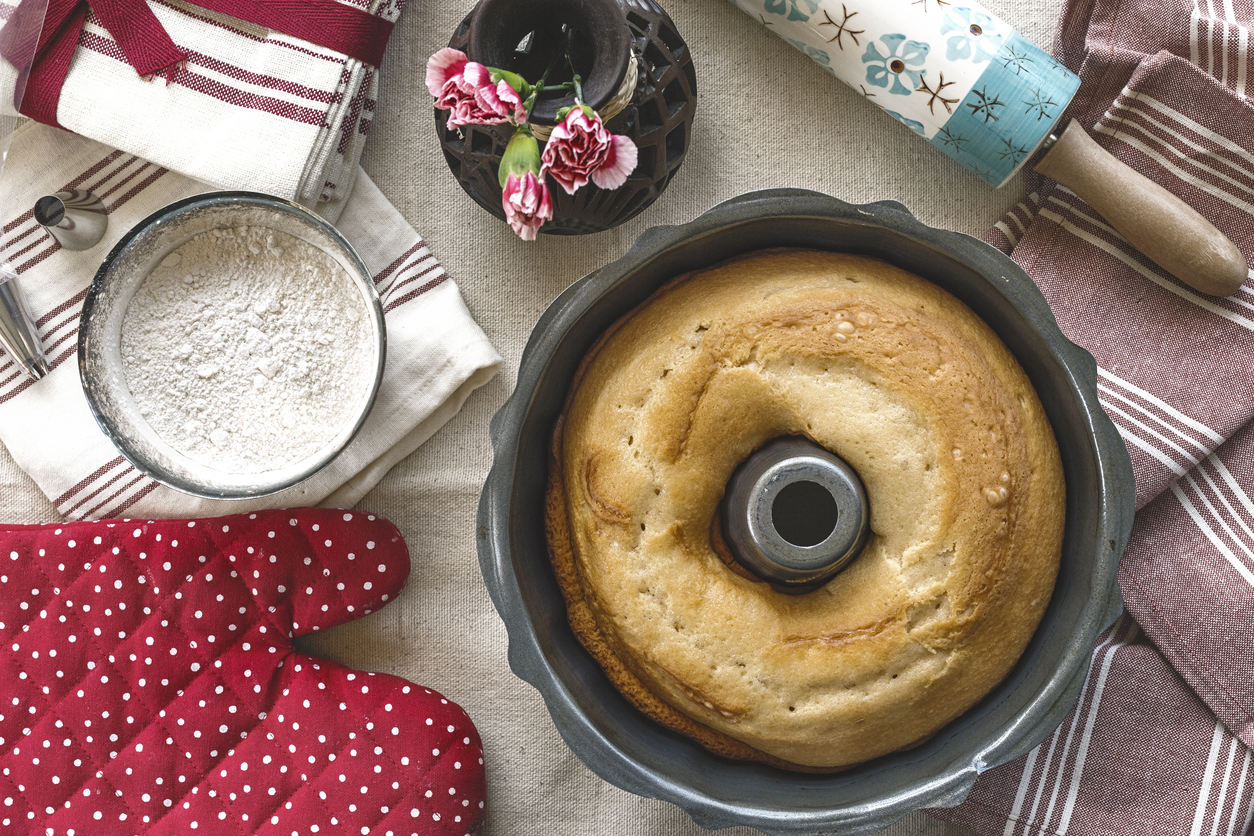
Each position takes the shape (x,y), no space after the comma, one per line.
(522,155)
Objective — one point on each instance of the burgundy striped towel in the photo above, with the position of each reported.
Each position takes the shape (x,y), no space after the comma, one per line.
(436,353)
(251,108)
(1159,740)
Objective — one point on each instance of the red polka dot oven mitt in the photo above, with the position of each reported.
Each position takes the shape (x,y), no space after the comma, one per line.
(149,685)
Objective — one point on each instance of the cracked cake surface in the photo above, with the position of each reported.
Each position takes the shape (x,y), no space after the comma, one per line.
(902,381)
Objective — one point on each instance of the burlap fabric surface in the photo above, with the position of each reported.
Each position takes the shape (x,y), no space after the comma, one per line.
(767,117)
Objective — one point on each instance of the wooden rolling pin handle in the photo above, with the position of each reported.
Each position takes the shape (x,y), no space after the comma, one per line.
(1152,219)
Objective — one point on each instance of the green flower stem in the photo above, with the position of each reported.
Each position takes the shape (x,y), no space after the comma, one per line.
(539,86)
(552,66)
(530,92)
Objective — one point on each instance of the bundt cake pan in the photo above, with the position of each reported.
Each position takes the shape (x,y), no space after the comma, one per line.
(628,749)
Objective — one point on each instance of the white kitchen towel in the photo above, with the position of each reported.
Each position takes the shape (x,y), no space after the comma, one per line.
(250,108)
(436,353)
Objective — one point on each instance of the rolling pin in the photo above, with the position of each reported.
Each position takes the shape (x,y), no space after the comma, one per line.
(984,95)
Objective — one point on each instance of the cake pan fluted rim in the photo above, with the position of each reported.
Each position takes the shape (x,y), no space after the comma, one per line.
(535,658)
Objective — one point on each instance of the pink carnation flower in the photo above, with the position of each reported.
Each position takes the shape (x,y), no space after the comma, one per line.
(580,148)
(527,204)
(446,65)
(465,89)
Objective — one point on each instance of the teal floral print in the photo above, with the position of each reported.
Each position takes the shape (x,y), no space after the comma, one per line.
(917,127)
(820,56)
(900,58)
(824,60)
(793,8)
(975,36)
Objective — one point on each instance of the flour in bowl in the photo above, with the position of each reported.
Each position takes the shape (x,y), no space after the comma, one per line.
(247,349)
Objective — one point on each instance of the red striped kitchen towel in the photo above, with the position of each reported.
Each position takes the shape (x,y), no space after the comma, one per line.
(436,353)
(249,107)
(1159,742)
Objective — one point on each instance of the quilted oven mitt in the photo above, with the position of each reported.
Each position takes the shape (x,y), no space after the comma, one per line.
(149,684)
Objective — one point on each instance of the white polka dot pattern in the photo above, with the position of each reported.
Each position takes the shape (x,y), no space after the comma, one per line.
(151,685)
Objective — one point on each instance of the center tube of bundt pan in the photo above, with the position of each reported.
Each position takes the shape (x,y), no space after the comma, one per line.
(794,515)
(953,73)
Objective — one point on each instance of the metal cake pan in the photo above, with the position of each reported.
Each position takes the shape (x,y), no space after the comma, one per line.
(625,747)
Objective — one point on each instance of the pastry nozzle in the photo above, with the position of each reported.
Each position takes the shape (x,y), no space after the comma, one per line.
(19,337)
(77,219)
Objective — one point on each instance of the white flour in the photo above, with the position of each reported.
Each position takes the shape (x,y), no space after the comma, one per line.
(247,349)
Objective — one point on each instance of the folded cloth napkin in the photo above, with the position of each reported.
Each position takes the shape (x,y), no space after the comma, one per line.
(1159,742)
(436,353)
(246,106)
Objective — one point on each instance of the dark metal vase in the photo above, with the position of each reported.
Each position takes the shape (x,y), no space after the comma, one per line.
(610,35)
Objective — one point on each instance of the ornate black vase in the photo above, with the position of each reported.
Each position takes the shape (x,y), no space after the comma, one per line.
(615,42)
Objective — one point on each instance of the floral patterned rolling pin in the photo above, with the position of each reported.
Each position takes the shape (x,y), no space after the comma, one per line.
(972,86)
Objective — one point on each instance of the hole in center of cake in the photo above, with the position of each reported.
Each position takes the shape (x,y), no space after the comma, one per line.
(804,513)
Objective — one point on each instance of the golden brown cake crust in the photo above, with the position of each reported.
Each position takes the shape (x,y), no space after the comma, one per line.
(902,381)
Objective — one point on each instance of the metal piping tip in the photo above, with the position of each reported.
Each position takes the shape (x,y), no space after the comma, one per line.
(36,368)
(19,337)
(77,219)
